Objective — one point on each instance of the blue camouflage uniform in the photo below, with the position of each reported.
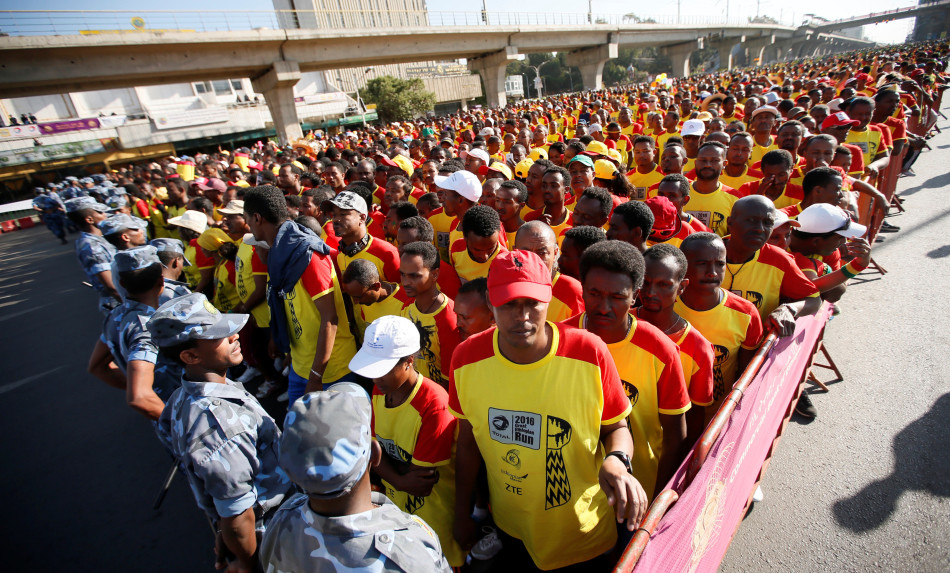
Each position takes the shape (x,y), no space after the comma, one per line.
(53,213)
(127,336)
(95,255)
(173,289)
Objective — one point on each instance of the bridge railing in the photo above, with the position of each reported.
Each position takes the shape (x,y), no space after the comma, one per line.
(101,22)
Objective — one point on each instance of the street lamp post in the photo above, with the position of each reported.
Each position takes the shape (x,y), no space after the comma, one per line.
(537,75)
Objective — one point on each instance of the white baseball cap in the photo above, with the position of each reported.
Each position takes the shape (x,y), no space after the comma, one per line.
(388,340)
(465,183)
(479,153)
(822,218)
(693,127)
(194,220)
(771,97)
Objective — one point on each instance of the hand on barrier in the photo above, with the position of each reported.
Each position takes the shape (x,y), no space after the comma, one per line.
(624,493)
(782,321)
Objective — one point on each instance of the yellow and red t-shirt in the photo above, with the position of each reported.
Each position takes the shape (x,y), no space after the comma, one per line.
(732,324)
(712,209)
(422,431)
(759,150)
(465,266)
(560,228)
(871,141)
(392,305)
(380,253)
(643,181)
(567,298)
(652,376)
(738,181)
(225,287)
(319,279)
(791,195)
(538,427)
(696,356)
(199,262)
(770,275)
(160,223)
(248,265)
(442,224)
(438,332)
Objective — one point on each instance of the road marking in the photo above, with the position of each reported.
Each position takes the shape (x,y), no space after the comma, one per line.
(22,312)
(27,380)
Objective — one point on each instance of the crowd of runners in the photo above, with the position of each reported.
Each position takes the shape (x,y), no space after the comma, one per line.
(495,334)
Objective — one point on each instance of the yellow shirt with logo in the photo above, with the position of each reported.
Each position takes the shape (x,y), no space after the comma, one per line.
(712,209)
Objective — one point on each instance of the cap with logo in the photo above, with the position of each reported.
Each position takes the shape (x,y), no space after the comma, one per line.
(193,220)
(135,259)
(120,222)
(192,317)
(386,341)
(518,274)
(693,127)
(521,169)
(463,182)
(327,441)
(822,218)
(603,169)
(499,167)
(350,201)
(839,119)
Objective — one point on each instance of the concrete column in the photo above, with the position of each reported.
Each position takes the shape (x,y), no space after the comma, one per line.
(756,49)
(463,104)
(277,86)
(492,68)
(591,62)
(680,54)
(725,54)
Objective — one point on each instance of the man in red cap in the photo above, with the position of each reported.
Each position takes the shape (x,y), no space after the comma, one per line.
(838,125)
(535,400)
(667,226)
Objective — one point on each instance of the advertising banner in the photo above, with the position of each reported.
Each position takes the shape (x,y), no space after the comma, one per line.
(695,533)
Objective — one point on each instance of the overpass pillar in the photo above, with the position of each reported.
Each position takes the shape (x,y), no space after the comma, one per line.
(680,54)
(756,49)
(591,62)
(277,85)
(725,53)
(492,68)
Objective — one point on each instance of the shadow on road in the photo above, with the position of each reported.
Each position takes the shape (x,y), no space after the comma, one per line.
(921,464)
(932,183)
(939,252)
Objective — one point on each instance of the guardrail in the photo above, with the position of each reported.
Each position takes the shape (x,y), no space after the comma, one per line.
(98,22)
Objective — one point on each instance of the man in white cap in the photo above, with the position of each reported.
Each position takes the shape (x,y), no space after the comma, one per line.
(190,225)
(461,191)
(822,229)
(760,124)
(693,134)
(476,161)
(412,423)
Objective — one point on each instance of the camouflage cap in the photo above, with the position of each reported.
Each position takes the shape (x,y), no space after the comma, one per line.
(117,202)
(327,441)
(135,259)
(170,246)
(81,203)
(120,222)
(192,317)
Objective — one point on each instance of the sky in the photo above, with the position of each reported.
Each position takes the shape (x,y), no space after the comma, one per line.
(785,12)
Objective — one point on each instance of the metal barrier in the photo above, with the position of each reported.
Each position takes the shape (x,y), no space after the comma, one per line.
(96,22)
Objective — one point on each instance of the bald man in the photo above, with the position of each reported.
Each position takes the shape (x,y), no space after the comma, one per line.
(762,273)
(567,297)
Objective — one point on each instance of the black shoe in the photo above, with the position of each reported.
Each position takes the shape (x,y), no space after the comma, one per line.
(805,408)
(888,228)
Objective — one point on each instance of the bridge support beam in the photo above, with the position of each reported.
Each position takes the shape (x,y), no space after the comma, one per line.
(491,68)
(680,54)
(757,48)
(277,85)
(725,48)
(591,62)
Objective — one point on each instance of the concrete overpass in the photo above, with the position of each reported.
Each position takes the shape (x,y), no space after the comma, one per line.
(877,17)
(275,58)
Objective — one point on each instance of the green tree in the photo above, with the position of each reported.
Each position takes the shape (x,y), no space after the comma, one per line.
(396,99)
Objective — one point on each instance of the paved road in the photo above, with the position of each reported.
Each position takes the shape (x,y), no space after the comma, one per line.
(864,487)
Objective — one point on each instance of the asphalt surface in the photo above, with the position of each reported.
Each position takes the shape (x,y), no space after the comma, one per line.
(864,487)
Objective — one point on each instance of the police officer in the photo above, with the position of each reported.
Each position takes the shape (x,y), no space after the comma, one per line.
(171,253)
(227,444)
(339,523)
(54,212)
(94,252)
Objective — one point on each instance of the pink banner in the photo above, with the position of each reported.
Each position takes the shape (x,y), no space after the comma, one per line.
(695,533)
(70,125)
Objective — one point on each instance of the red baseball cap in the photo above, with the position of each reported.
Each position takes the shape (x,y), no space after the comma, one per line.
(837,120)
(213,184)
(518,274)
(666,221)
